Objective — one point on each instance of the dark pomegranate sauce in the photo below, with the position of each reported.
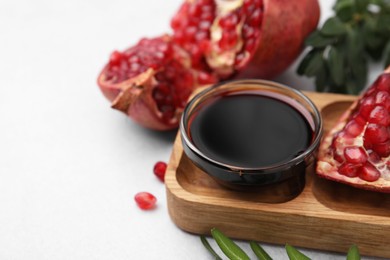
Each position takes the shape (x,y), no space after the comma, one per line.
(250,130)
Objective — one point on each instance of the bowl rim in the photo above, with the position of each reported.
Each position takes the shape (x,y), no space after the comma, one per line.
(317,119)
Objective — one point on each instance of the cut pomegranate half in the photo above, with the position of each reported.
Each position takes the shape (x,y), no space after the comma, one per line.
(356,150)
(151,82)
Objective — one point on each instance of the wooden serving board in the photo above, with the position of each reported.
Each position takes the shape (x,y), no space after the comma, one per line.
(326,215)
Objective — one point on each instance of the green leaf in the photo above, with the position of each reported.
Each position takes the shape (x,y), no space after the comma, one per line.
(384,23)
(372,37)
(344,10)
(209,248)
(228,247)
(353,253)
(387,54)
(361,5)
(317,40)
(294,254)
(322,79)
(259,251)
(333,27)
(360,72)
(314,64)
(336,65)
(354,46)
(351,87)
(305,62)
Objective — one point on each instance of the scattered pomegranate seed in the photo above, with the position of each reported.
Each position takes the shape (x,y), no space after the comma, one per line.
(159,170)
(145,200)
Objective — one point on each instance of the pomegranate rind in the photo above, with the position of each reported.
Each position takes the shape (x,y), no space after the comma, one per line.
(285,26)
(327,167)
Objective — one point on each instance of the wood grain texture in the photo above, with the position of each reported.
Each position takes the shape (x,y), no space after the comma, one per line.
(326,215)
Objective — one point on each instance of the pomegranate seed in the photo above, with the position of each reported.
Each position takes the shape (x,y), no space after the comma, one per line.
(373,157)
(382,97)
(249,6)
(366,106)
(250,44)
(349,169)
(115,58)
(145,200)
(383,82)
(382,149)
(195,10)
(248,31)
(202,35)
(229,22)
(338,156)
(376,133)
(369,173)
(379,115)
(355,155)
(353,128)
(190,32)
(159,170)
(228,40)
(256,18)
(204,25)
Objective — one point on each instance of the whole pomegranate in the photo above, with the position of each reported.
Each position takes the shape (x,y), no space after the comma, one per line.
(212,40)
(357,149)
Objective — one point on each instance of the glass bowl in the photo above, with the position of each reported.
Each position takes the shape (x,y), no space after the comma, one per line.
(285,175)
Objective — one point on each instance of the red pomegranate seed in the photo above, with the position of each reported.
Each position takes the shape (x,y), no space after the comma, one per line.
(115,58)
(229,22)
(338,156)
(355,155)
(349,169)
(373,157)
(379,115)
(256,17)
(366,106)
(145,200)
(248,31)
(383,82)
(382,97)
(354,128)
(159,170)
(376,133)
(228,40)
(369,173)
(382,149)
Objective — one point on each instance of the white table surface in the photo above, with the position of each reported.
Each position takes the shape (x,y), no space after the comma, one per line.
(70,165)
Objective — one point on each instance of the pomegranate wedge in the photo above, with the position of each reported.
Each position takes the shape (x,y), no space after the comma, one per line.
(357,150)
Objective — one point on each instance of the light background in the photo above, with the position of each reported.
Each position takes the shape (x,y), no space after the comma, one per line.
(70,165)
